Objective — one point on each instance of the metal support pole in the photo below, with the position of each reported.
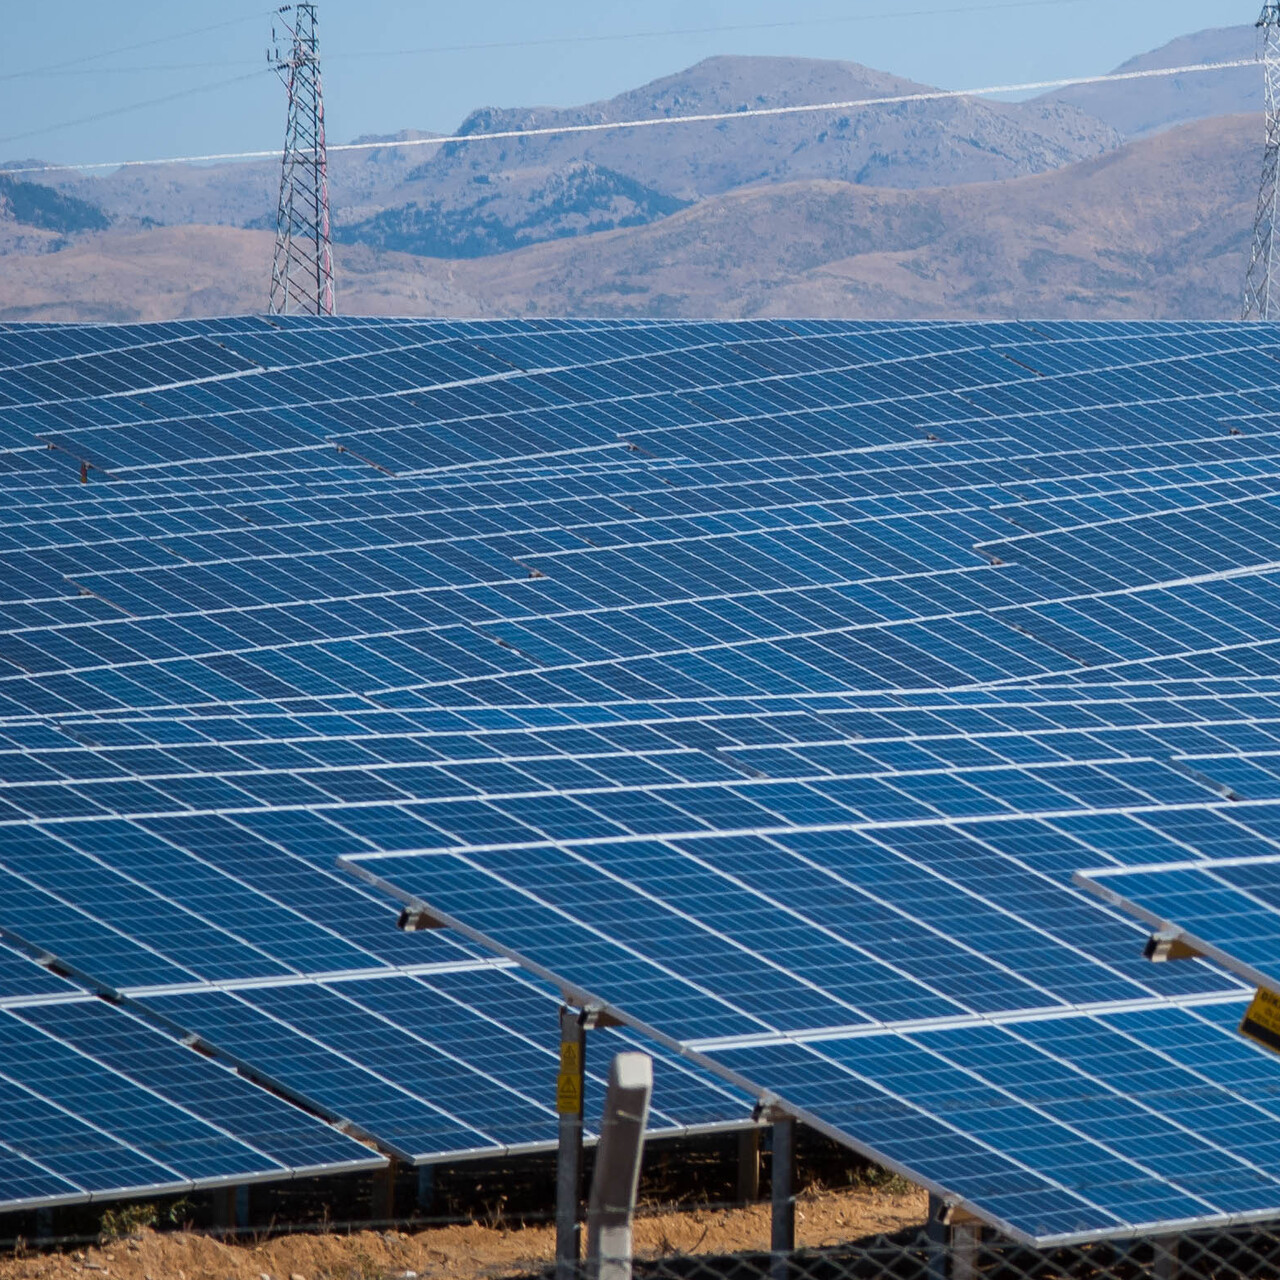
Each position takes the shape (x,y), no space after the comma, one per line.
(748,1166)
(44,1225)
(570,1086)
(782,1240)
(938,1238)
(1164,1263)
(426,1188)
(382,1194)
(231,1207)
(616,1181)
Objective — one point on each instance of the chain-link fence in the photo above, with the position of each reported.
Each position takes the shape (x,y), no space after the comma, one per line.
(968,1253)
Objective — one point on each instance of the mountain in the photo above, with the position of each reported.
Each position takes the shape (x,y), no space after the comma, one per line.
(1112,236)
(31,204)
(1138,107)
(485,197)
(471,199)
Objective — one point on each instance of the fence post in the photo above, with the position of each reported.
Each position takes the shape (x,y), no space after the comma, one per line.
(616,1180)
(569,1090)
(966,1237)
(782,1241)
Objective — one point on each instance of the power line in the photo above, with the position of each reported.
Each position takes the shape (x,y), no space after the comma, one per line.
(709,117)
(119,111)
(132,48)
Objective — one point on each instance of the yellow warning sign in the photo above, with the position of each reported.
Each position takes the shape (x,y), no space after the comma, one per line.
(1262,1020)
(569,1081)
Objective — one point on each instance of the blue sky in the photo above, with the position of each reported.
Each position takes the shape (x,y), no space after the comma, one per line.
(389,64)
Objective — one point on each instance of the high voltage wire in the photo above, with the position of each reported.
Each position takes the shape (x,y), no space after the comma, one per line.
(133,106)
(929,95)
(55,67)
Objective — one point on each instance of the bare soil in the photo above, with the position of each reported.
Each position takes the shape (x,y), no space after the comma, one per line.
(459,1252)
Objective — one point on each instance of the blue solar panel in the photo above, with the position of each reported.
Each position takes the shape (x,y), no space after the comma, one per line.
(1226,908)
(767,680)
(98,1104)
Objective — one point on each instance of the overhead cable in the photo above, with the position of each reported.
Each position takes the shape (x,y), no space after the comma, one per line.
(657,122)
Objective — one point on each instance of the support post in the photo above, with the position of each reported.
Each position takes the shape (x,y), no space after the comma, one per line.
(44,1225)
(382,1194)
(748,1166)
(936,1230)
(570,1087)
(782,1238)
(231,1208)
(426,1189)
(1164,1263)
(616,1180)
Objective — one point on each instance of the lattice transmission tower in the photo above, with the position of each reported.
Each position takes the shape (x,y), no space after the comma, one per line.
(1262,286)
(302,272)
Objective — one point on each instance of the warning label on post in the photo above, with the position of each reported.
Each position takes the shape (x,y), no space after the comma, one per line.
(1262,1020)
(569,1081)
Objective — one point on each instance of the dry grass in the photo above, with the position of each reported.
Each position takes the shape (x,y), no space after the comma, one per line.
(461,1252)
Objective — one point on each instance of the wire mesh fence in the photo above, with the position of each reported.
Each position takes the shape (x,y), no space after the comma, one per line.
(968,1254)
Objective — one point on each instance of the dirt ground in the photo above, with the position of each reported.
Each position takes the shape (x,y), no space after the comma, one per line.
(458,1252)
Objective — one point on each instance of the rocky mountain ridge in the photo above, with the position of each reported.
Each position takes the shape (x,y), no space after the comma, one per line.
(1106,238)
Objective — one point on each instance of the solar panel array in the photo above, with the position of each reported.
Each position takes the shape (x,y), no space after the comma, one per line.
(767,681)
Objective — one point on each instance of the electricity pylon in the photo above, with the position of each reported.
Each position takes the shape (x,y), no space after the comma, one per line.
(1262,285)
(302,271)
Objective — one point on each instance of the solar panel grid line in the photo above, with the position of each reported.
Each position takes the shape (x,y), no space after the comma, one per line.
(102,919)
(995,906)
(325,978)
(889,907)
(238,730)
(1055,1013)
(838,938)
(1224,576)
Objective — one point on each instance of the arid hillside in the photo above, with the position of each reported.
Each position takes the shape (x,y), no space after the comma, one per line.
(1157,228)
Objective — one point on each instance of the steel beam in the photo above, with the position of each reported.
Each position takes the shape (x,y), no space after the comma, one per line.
(782,1236)
(570,1086)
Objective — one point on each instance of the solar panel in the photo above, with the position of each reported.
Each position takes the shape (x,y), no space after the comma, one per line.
(1224,908)
(767,680)
(97,1104)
